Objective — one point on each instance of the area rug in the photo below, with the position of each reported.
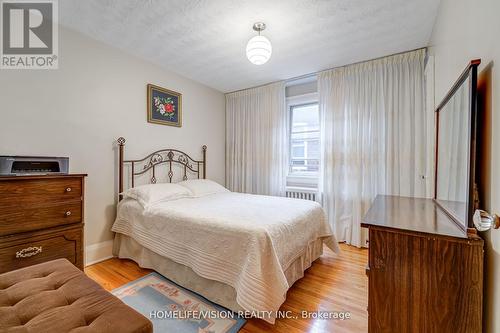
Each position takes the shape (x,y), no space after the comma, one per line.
(173,308)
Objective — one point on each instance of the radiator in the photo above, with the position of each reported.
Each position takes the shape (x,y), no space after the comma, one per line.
(302,193)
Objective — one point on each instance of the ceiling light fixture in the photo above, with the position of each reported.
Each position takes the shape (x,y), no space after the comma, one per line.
(259,48)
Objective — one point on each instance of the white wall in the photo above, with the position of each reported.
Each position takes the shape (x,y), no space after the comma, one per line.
(302,88)
(465,30)
(98,94)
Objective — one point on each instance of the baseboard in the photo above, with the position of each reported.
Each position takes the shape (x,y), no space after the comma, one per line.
(98,252)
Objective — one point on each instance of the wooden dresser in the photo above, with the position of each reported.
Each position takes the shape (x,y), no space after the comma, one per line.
(41,219)
(424,274)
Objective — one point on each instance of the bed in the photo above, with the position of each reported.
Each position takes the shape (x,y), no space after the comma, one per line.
(238,250)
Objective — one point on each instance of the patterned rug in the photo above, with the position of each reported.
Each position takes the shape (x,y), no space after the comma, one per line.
(172,308)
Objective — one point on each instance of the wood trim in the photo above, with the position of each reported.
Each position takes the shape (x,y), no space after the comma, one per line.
(13,238)
(458,82)
(473,144)
(47,176)
(436,154)
(473,240)
(471,70)
(418,215)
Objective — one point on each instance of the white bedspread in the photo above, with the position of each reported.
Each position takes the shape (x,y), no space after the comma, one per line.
(246,241)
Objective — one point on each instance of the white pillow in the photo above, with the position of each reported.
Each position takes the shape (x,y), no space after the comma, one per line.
(202,187)
(151,194)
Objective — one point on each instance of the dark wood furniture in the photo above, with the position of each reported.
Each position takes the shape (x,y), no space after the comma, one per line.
(425,274)
(41,219)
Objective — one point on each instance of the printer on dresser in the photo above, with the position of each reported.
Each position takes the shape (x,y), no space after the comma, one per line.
(41,213)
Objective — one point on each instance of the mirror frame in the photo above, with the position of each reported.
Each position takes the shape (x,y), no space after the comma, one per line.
(469,72)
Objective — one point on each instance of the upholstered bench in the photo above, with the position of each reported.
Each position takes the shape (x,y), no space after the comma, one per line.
(57,297)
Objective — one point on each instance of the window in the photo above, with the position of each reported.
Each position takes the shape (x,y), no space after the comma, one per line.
(304,139)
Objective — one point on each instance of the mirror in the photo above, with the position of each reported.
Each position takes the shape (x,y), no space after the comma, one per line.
(455,149)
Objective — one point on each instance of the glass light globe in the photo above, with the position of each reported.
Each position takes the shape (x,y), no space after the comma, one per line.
(259,50)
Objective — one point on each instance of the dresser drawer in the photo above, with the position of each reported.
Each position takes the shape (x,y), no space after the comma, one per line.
(22,252)
(37,192)
(15,220)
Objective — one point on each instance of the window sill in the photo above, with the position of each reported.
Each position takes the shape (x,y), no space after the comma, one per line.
(303,175)
(303,181)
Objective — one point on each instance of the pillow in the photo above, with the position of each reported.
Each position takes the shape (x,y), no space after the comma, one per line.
(151,194)
(202,187)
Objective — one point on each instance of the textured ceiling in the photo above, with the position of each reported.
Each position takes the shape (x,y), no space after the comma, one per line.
(205,40)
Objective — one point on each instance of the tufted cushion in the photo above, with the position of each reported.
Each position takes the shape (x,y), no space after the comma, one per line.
(57,297)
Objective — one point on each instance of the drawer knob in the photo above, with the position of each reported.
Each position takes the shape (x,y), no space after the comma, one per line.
(68,189)
(68,213)
(379,263)
(29,252)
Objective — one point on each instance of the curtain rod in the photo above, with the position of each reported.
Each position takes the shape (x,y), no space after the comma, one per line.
(308,75)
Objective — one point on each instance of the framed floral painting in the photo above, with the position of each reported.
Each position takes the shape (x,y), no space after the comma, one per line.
(164,106)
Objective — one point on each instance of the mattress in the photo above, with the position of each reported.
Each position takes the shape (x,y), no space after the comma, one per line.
(247,242)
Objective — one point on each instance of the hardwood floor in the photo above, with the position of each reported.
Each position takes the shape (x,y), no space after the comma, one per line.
(333,283)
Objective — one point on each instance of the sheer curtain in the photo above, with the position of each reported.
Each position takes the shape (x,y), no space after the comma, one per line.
(256,140)
(374,137)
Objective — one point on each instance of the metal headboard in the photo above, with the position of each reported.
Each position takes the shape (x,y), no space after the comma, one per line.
(169,157)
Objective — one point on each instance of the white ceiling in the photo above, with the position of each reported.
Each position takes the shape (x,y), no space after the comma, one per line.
(205,40)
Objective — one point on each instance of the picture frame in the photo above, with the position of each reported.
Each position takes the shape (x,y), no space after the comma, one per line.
(164,106)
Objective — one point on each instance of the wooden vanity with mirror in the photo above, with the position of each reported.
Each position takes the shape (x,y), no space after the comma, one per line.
(425,266)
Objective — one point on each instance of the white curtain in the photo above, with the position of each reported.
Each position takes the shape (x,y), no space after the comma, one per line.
(374,137)
(256,140)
